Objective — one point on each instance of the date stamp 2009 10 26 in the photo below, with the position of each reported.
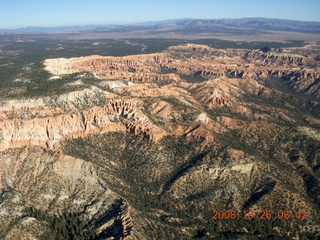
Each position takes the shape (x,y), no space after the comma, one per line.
(263,215)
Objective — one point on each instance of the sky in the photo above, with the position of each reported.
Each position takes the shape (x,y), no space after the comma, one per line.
(51,13)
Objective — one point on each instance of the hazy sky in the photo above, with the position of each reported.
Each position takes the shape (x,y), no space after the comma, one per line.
(45,13)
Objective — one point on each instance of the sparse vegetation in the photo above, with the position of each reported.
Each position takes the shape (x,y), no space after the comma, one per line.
(26,64)
(257,160)
(149,189)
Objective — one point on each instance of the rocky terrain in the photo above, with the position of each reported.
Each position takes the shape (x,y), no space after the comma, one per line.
(157,142)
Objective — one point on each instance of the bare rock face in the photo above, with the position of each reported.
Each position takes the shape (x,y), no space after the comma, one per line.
(51,183)
(126,221)
(289,65)
(48,131)
(141,68)
(161,140)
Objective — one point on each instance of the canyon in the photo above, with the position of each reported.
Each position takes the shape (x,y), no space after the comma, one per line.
(151,144)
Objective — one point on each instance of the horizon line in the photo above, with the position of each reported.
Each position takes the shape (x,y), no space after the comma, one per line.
(150,21)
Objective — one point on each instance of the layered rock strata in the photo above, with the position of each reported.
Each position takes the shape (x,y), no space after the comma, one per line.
(53,127)
(293,65)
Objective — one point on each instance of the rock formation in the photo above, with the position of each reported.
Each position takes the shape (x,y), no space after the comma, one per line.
(218,63)
(47,130)
(158,141)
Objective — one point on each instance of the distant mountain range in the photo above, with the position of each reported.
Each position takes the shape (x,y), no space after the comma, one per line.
(243,25)
(31,29)
(254,24)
